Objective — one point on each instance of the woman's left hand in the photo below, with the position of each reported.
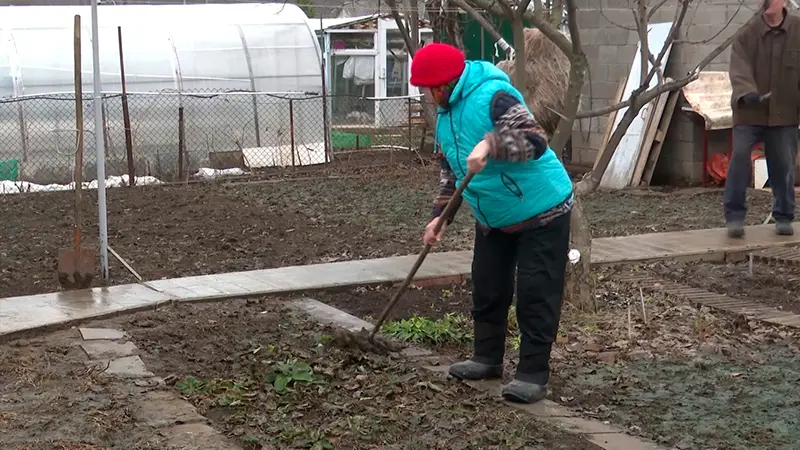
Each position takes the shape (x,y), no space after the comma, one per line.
(476,160)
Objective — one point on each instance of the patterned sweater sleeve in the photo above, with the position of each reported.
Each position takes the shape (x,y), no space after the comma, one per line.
(516,136)
(447,187)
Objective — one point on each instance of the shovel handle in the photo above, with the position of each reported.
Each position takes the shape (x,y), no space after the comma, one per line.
(78,122)
(446,214)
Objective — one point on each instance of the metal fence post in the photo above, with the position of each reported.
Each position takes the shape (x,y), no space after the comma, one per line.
(409,122)
(291,128)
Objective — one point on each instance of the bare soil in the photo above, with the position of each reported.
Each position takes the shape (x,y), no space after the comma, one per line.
(50,400)
(685,377)
(374,204)
(227,358)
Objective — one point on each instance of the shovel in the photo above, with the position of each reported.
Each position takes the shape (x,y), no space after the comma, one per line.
(76,265)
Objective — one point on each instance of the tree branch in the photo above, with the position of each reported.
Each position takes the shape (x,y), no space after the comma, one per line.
(578,64)
(655,8)
(640,18)
(480,19)
(649,95)
(505,6)
(637,100)
(401,26)
(558,38)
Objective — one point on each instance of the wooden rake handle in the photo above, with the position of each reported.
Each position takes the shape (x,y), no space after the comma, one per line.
(448,212)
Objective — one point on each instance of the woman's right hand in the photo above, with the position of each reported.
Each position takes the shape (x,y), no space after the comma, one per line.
(429,238)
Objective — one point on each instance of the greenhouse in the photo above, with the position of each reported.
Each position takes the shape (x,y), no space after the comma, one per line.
(175,58)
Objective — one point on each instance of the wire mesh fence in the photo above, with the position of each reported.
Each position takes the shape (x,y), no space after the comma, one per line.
(174,135)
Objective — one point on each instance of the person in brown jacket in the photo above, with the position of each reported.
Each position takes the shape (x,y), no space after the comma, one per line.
(765,76)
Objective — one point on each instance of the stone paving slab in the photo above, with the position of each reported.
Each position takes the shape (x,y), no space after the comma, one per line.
(105,334)
(163,408)
(61,308)
(108,349)
(196,436)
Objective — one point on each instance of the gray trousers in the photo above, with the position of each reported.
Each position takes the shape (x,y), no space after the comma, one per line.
(780,150)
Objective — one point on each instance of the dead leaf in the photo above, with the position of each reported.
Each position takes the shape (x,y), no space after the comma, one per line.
(607,357)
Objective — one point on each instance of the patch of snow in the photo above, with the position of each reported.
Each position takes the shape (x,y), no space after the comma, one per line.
(208,174)
(16,187)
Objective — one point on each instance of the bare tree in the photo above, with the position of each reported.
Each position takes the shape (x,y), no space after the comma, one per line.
(579,289)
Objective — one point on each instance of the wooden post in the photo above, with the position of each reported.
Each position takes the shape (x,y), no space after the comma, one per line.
(126,117)
(181,143)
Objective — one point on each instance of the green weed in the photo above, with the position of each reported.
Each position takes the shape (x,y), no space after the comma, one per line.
(451,329)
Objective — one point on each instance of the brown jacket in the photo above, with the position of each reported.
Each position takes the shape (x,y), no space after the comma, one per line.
(767,60)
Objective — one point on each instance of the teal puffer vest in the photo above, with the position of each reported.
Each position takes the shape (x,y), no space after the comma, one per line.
(504,193)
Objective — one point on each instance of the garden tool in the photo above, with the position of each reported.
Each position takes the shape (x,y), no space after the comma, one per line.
(366,340)
(76,264)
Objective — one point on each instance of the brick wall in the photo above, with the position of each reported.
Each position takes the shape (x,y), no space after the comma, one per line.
(609,39)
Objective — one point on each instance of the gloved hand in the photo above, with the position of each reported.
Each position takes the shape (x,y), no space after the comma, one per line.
(750,99)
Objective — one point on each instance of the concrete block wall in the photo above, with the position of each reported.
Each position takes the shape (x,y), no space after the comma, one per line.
(610,40)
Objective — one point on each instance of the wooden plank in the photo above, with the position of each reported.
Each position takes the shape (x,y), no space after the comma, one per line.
(655,152)
(656,112)
(610,121)
(620,169)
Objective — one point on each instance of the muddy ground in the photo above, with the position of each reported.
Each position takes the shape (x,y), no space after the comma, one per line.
(345,211)
(270,379)
(686,377)
(50,400)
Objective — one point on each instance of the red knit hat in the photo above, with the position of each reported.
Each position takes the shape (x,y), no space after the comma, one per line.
(436,65)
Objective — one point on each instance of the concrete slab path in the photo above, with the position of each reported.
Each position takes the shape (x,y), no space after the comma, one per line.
(26,313)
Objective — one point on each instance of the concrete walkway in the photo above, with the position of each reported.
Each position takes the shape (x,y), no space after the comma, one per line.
(33,312)
(20,314)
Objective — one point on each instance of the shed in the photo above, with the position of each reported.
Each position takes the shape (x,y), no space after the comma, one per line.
(170,51)
(368,72)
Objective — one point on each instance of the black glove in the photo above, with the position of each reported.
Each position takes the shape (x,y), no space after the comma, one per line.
(750,99)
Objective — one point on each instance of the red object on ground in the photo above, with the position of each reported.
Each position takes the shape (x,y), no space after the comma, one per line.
(717,165)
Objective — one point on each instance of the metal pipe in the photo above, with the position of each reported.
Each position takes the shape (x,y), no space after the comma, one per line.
(323,56)
(99,140)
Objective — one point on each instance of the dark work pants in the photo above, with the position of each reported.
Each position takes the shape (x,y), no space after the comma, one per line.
(780,150)
(539,258)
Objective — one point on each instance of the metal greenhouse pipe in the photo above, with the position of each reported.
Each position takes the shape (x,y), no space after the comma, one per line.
(99,143)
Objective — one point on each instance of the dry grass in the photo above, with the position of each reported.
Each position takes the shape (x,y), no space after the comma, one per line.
(548,78)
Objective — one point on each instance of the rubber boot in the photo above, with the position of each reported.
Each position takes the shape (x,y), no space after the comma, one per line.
(473,370)
(519,391)
(735,229)
(784,229)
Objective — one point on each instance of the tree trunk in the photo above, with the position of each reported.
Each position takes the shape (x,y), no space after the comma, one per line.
(520,60)
(556,13)
(577,73)
(579,288)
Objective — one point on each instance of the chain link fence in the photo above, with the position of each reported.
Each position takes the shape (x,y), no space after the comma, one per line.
(174,135)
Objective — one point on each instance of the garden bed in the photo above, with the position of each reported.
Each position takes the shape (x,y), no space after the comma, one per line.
(272,379)
(686,377)
(312,215)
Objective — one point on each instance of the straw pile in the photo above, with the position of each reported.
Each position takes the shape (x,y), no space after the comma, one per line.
(548,78)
